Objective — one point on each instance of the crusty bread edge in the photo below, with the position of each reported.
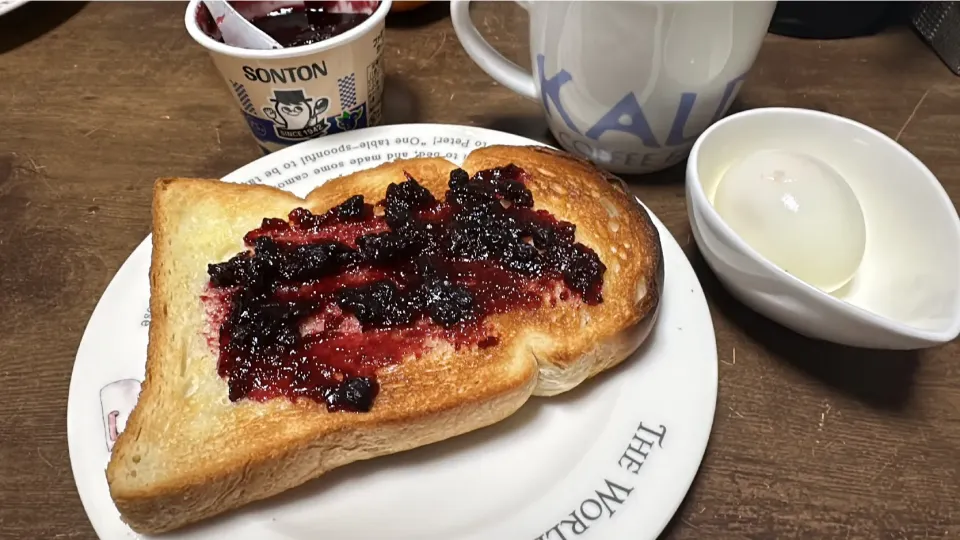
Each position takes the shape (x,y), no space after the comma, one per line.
(160,512)
(272,474)
(557,377)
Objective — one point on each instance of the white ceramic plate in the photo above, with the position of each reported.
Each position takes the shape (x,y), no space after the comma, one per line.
(7,6)
(559,466)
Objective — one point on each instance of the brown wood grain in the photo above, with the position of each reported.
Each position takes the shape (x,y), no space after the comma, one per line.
(811,440)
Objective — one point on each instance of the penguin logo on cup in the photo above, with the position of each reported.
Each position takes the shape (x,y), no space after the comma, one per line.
(296,116)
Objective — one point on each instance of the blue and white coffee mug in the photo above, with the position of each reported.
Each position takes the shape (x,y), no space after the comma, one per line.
(629,85)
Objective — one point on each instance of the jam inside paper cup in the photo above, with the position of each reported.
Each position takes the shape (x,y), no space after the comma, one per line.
(298,93)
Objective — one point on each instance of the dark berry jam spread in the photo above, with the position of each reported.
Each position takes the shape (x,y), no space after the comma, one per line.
(320,302)
(314,22)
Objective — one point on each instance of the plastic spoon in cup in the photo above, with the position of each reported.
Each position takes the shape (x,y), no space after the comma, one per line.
(236,29)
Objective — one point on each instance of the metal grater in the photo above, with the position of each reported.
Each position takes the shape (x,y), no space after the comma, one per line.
(939,25)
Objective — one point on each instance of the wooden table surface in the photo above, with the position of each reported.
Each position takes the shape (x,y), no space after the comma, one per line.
(810,440)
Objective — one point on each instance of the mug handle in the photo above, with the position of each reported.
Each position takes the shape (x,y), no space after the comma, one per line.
(495,64)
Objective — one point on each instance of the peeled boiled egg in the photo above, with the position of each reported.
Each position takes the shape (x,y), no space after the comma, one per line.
(796,211)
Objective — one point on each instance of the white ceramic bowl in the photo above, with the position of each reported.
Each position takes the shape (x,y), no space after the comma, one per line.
(906,293)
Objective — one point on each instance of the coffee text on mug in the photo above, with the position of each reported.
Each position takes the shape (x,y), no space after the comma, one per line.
(626,116)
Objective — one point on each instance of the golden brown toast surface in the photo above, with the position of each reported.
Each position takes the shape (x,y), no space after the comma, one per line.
(188,453)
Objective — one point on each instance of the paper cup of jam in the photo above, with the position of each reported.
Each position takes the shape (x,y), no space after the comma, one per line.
(328,78)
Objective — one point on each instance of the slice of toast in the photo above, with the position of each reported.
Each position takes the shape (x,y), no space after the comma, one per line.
(189,453)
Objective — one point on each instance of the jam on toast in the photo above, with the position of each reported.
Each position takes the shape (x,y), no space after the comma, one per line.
(389,309)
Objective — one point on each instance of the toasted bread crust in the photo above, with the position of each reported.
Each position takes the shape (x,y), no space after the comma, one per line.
(611,222)
(187,453)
